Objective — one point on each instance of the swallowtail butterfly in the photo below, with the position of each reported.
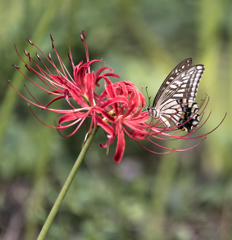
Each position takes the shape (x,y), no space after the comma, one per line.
(174,103)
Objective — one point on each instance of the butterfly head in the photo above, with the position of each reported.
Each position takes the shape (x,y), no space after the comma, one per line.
(152,112)
(149,111)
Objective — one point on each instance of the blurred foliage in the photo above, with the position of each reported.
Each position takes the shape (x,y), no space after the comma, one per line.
(179,196)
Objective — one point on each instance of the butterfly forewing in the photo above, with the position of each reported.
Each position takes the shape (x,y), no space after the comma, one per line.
(185,85)
(185,64)
(193,83)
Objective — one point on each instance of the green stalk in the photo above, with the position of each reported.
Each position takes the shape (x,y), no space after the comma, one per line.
(66,186)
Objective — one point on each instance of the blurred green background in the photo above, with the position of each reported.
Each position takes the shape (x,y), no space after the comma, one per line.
(178,196)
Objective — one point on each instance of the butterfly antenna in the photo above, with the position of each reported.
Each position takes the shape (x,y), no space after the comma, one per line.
(149,98)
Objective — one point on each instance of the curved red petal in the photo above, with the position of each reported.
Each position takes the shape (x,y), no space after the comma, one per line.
(120,145)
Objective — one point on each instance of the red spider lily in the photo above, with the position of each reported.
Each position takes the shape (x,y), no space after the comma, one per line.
(125,112)
(117,110)
(80,87)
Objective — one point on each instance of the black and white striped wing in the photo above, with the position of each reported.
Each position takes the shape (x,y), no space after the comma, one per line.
(181,67)
(176,101)
(185,85)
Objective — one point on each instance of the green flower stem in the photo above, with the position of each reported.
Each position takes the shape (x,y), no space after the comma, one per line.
(66,186)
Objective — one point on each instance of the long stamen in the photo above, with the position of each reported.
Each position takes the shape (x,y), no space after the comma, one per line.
(32,95)
(83,38)
(61,127)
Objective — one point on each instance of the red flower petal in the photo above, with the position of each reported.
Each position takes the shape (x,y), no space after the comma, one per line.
(120,145)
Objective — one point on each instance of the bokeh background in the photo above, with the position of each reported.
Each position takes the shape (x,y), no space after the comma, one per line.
(178,196)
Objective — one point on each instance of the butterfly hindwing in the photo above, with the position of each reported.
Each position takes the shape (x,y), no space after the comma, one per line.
(182,113)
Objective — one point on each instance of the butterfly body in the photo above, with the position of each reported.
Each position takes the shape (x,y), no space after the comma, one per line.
(174,103)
